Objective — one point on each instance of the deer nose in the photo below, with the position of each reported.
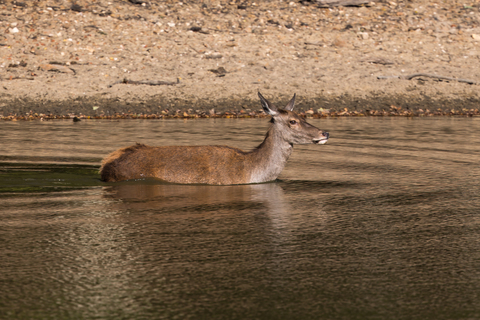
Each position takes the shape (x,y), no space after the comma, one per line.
(326,134)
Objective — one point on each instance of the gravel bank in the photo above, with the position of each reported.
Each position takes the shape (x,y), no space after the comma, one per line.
(209,58)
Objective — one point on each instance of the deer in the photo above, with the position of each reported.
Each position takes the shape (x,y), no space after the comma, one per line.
(213,164)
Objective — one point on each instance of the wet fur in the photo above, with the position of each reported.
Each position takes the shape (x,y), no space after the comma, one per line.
(193,164)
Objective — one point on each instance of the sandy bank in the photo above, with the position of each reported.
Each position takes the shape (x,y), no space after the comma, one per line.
(63,59)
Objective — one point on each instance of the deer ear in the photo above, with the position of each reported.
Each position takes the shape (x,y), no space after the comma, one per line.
(291,104)
(267,106)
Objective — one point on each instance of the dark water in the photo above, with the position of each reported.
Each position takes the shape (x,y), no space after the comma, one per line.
(383,222)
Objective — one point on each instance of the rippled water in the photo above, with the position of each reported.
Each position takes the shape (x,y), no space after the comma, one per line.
(383,222)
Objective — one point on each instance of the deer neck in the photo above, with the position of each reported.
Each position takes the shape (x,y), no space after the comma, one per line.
(270,157)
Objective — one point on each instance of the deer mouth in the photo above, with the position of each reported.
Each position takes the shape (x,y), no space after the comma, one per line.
(321,141)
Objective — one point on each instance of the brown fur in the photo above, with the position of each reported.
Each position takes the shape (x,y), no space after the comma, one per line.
(206,162)
(110,165)
(219,165)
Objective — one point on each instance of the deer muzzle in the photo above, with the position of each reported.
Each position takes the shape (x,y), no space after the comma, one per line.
(323,139)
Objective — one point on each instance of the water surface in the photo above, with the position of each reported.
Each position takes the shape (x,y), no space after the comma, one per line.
(380,223)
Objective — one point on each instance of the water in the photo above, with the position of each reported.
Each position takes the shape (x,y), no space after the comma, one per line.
(380,223)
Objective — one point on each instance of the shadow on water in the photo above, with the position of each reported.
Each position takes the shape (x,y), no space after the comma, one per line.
(33,177)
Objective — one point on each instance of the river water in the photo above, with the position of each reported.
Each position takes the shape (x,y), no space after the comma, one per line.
(383,222)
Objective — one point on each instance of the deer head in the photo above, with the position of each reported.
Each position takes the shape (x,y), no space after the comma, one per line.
(292,128)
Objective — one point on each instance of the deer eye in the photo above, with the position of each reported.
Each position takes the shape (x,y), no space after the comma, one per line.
(293,122)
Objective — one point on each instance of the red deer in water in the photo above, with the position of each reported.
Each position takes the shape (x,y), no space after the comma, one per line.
(220,165)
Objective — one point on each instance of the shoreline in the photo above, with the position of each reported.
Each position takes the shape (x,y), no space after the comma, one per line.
(345,106)
(309,114)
